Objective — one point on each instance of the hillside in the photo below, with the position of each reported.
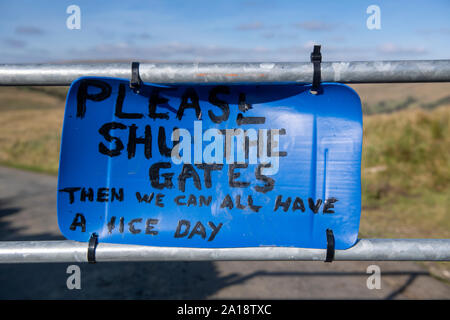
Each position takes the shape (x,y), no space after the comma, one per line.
(385,98)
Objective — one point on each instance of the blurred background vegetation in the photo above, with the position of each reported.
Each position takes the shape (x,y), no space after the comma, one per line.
(405,161)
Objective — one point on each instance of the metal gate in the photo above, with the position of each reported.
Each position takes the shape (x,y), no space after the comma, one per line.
(210,73)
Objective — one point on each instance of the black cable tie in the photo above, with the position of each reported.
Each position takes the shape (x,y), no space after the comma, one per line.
(316,59)
(135,82)
(93,241)
(330,246)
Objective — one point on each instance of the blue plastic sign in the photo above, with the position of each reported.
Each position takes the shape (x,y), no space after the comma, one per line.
(210,166)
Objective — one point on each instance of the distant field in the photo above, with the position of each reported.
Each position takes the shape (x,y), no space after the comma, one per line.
(386,98)
(405,165)
(30,127)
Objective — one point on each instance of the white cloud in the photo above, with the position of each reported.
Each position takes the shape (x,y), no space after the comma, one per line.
(394,49)
(29,30)
(315,25)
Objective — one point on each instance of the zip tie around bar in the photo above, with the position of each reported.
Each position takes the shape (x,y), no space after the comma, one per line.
(316,59)
(92,245)
(330,246)
(135,82)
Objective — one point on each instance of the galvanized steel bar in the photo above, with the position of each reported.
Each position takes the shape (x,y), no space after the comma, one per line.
(363,250)
(290,72)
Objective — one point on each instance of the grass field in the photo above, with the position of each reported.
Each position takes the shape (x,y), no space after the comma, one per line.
(405,165)
(30,127)
(406,174)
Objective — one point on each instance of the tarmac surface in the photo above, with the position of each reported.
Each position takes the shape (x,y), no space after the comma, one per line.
(28,212)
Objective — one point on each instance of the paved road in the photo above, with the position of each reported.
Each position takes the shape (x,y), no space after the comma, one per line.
(28,212)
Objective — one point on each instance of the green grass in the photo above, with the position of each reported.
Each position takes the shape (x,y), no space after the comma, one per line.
(406,173)
(41,153)
(27,167)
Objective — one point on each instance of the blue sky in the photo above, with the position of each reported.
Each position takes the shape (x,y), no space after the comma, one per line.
(251,30)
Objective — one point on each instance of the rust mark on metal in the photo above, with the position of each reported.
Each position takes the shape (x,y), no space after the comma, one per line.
(217,74)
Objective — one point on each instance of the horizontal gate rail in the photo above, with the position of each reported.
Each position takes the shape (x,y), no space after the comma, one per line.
(288,72)
(363,250)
